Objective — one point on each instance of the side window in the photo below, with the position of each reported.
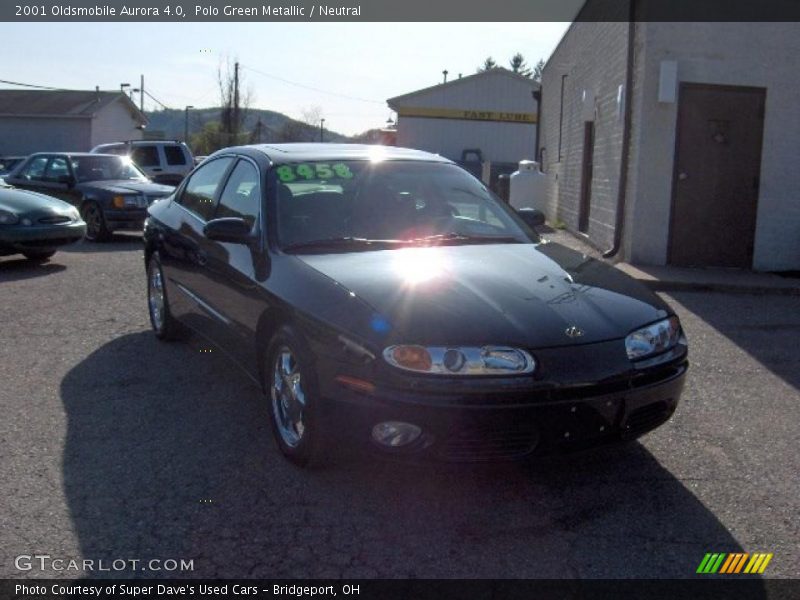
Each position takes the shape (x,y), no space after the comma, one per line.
(35,168)
(242,194)
(145,156)
(57,168)
(201,189)
(175,155)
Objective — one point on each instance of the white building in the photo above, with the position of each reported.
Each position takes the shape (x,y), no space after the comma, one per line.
(493,111)
(65,120)
(700,122)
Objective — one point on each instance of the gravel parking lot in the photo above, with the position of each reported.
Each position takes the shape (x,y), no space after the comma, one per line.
(114,445)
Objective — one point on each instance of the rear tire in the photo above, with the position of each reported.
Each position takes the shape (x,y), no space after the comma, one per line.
(165,326)
(293,399)
(96,228)
(38,255)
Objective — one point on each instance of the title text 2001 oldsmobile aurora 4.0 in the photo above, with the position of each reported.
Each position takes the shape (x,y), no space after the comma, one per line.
(384,296)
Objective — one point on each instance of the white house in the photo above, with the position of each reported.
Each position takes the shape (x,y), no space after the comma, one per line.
(65,120)
(492,111)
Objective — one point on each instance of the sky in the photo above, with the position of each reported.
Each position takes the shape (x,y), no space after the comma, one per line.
(347,70)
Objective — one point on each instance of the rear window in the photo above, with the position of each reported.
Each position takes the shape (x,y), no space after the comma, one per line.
(175,155)
(145,156)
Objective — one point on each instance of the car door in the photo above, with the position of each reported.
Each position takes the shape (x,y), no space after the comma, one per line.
(59,179)
(234,268)
(184,256)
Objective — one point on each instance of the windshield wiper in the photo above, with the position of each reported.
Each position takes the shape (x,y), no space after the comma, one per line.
(340,242)
(468,238)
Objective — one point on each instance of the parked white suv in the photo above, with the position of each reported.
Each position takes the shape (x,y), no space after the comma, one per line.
(166,162)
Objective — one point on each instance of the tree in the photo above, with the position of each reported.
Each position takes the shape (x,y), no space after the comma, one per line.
(488,65)
(519,66)
(537,71)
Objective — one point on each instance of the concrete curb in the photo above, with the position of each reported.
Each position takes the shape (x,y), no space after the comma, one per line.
(668,279)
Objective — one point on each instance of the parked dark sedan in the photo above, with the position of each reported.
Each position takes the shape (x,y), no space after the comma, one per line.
(35,225)
(384,296)
(110,191)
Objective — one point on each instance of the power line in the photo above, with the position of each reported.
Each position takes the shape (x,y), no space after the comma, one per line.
(314,89)
(31,85)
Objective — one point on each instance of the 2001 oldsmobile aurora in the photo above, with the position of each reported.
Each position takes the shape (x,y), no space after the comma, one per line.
(383,295)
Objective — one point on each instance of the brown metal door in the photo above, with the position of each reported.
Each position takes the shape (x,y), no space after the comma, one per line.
(717,166)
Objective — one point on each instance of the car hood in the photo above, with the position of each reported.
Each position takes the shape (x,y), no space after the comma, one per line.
(24,202)
(124,186)
(527,295)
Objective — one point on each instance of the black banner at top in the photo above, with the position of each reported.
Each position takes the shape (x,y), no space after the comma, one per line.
(397,10)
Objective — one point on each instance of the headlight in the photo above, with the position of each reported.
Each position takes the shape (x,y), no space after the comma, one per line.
(460,360)
(653,339)
(8,218)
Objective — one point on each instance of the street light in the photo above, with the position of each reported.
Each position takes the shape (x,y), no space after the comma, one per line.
(321,129)
(186,125)
(122,87)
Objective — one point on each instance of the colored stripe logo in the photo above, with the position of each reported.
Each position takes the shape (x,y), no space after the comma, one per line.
(733,563)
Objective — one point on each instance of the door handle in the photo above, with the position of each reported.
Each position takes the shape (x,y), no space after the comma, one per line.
(682,176)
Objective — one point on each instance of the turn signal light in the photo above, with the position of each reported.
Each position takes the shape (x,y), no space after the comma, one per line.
(415,358)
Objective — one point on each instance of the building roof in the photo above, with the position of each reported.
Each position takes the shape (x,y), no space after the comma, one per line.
(62,103)
(497,71)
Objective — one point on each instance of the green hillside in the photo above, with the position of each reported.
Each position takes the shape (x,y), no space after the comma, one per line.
(274,125)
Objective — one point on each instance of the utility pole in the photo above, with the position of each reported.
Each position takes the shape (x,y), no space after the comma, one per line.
(186,125)
(235,124)
(321,129)
(141,94)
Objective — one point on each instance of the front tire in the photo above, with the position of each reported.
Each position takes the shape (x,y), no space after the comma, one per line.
(96,228)
(38,255)
(291,389)
(165,326)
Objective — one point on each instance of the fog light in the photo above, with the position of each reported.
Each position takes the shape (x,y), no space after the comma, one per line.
(395,434)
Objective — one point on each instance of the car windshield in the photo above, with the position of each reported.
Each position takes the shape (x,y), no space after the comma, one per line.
(99,168)
(355,205)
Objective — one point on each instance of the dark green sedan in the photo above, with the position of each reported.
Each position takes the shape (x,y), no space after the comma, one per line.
(35,225)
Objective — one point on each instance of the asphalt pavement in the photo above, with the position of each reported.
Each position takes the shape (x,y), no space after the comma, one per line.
(116,446)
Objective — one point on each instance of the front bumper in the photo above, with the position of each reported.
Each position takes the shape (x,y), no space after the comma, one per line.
(515,427)
(131,219)
(19,237)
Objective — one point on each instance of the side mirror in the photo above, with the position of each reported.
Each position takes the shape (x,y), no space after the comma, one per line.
(531,216)
(229,229)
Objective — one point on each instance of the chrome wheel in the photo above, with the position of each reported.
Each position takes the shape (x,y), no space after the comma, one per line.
(288,397)
(155,296)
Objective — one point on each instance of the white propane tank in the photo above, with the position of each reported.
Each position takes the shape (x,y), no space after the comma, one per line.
(528,187)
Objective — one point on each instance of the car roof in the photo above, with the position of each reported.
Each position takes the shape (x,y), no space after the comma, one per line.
(71,154)
(301,152)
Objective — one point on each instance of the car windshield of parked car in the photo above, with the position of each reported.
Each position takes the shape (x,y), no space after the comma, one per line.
(100,168)
(355,205)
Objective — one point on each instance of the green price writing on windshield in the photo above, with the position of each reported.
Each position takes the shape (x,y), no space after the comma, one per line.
(287,173)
